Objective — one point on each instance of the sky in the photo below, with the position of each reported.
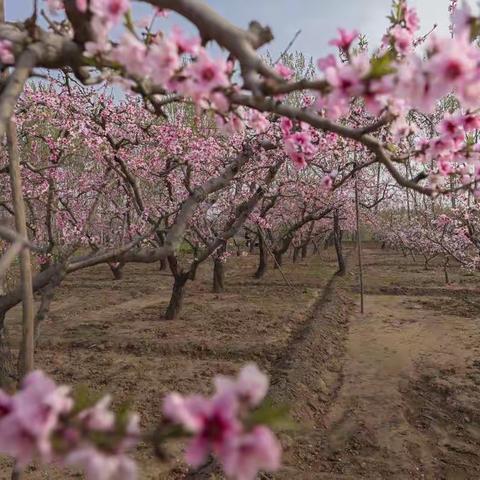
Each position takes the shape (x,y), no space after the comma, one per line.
(317,19)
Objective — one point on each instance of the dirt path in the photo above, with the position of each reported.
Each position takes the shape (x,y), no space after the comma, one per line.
(408,407)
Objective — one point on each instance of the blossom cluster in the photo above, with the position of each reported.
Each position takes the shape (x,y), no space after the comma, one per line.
(219,425)
(47,423)
(43,422)
(395,79)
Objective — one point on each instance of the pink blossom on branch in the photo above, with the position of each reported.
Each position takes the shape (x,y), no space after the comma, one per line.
(345,39)
(43,422)
(111,11)
(218,428)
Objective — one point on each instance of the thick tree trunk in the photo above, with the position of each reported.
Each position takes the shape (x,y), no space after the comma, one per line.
(304,251)
(218,275)
(445,270)
(162,265)
(426,263)
(117,270)
(296,251)
(251,247)
(330,241)
(219,270)
(25,358)
(262,258)
(176,300)
(337,238)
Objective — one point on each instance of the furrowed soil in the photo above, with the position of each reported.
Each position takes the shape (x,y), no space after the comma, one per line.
(391,394)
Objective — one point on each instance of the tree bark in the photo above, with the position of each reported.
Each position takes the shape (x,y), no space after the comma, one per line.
(162,265)
(48,294)
(296,251)
(218,275)
(251,245)
(176,300)
(117,270)
(304,251)
(262,257)
(25,359)
(445,270)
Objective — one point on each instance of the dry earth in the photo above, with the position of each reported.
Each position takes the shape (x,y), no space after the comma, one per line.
(392,394)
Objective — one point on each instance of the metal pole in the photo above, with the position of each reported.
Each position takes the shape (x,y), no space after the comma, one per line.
(359,246)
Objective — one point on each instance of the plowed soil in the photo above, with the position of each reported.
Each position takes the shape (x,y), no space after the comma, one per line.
(391,394)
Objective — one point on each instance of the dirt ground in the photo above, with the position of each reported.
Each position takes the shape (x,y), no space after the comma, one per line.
(392,394)
(408,403)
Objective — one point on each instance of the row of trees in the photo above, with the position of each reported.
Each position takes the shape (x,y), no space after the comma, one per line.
(203,149)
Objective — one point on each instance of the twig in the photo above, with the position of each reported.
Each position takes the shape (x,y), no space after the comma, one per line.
(289,46)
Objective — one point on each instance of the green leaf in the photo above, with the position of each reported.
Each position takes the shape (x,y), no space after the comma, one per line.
(381,66)
(84,398)
(277,416)
(122,415)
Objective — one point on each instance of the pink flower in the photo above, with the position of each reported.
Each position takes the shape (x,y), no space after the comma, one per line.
(462,19)
(327,182)
(111,11)
(451,127)
(465,179)
(347,79)
(212,421)
(299,147)
(377,96)
(184,411)
(345,39)
(412,21)
(400,129)
(416,84)
(444,167)
(477,171)
(453,66)
(185,45)
(258,121)
(298,159)
(102,466)
(403,39)
(250,387)
(31,416)
(471,122)
(284,71)
(250,453)
(204,76)
(286,126)
(162,12)
(131,53)
(162,59)
(6,52)
(231,124)
(98,417)
(325,62)
(217,427)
